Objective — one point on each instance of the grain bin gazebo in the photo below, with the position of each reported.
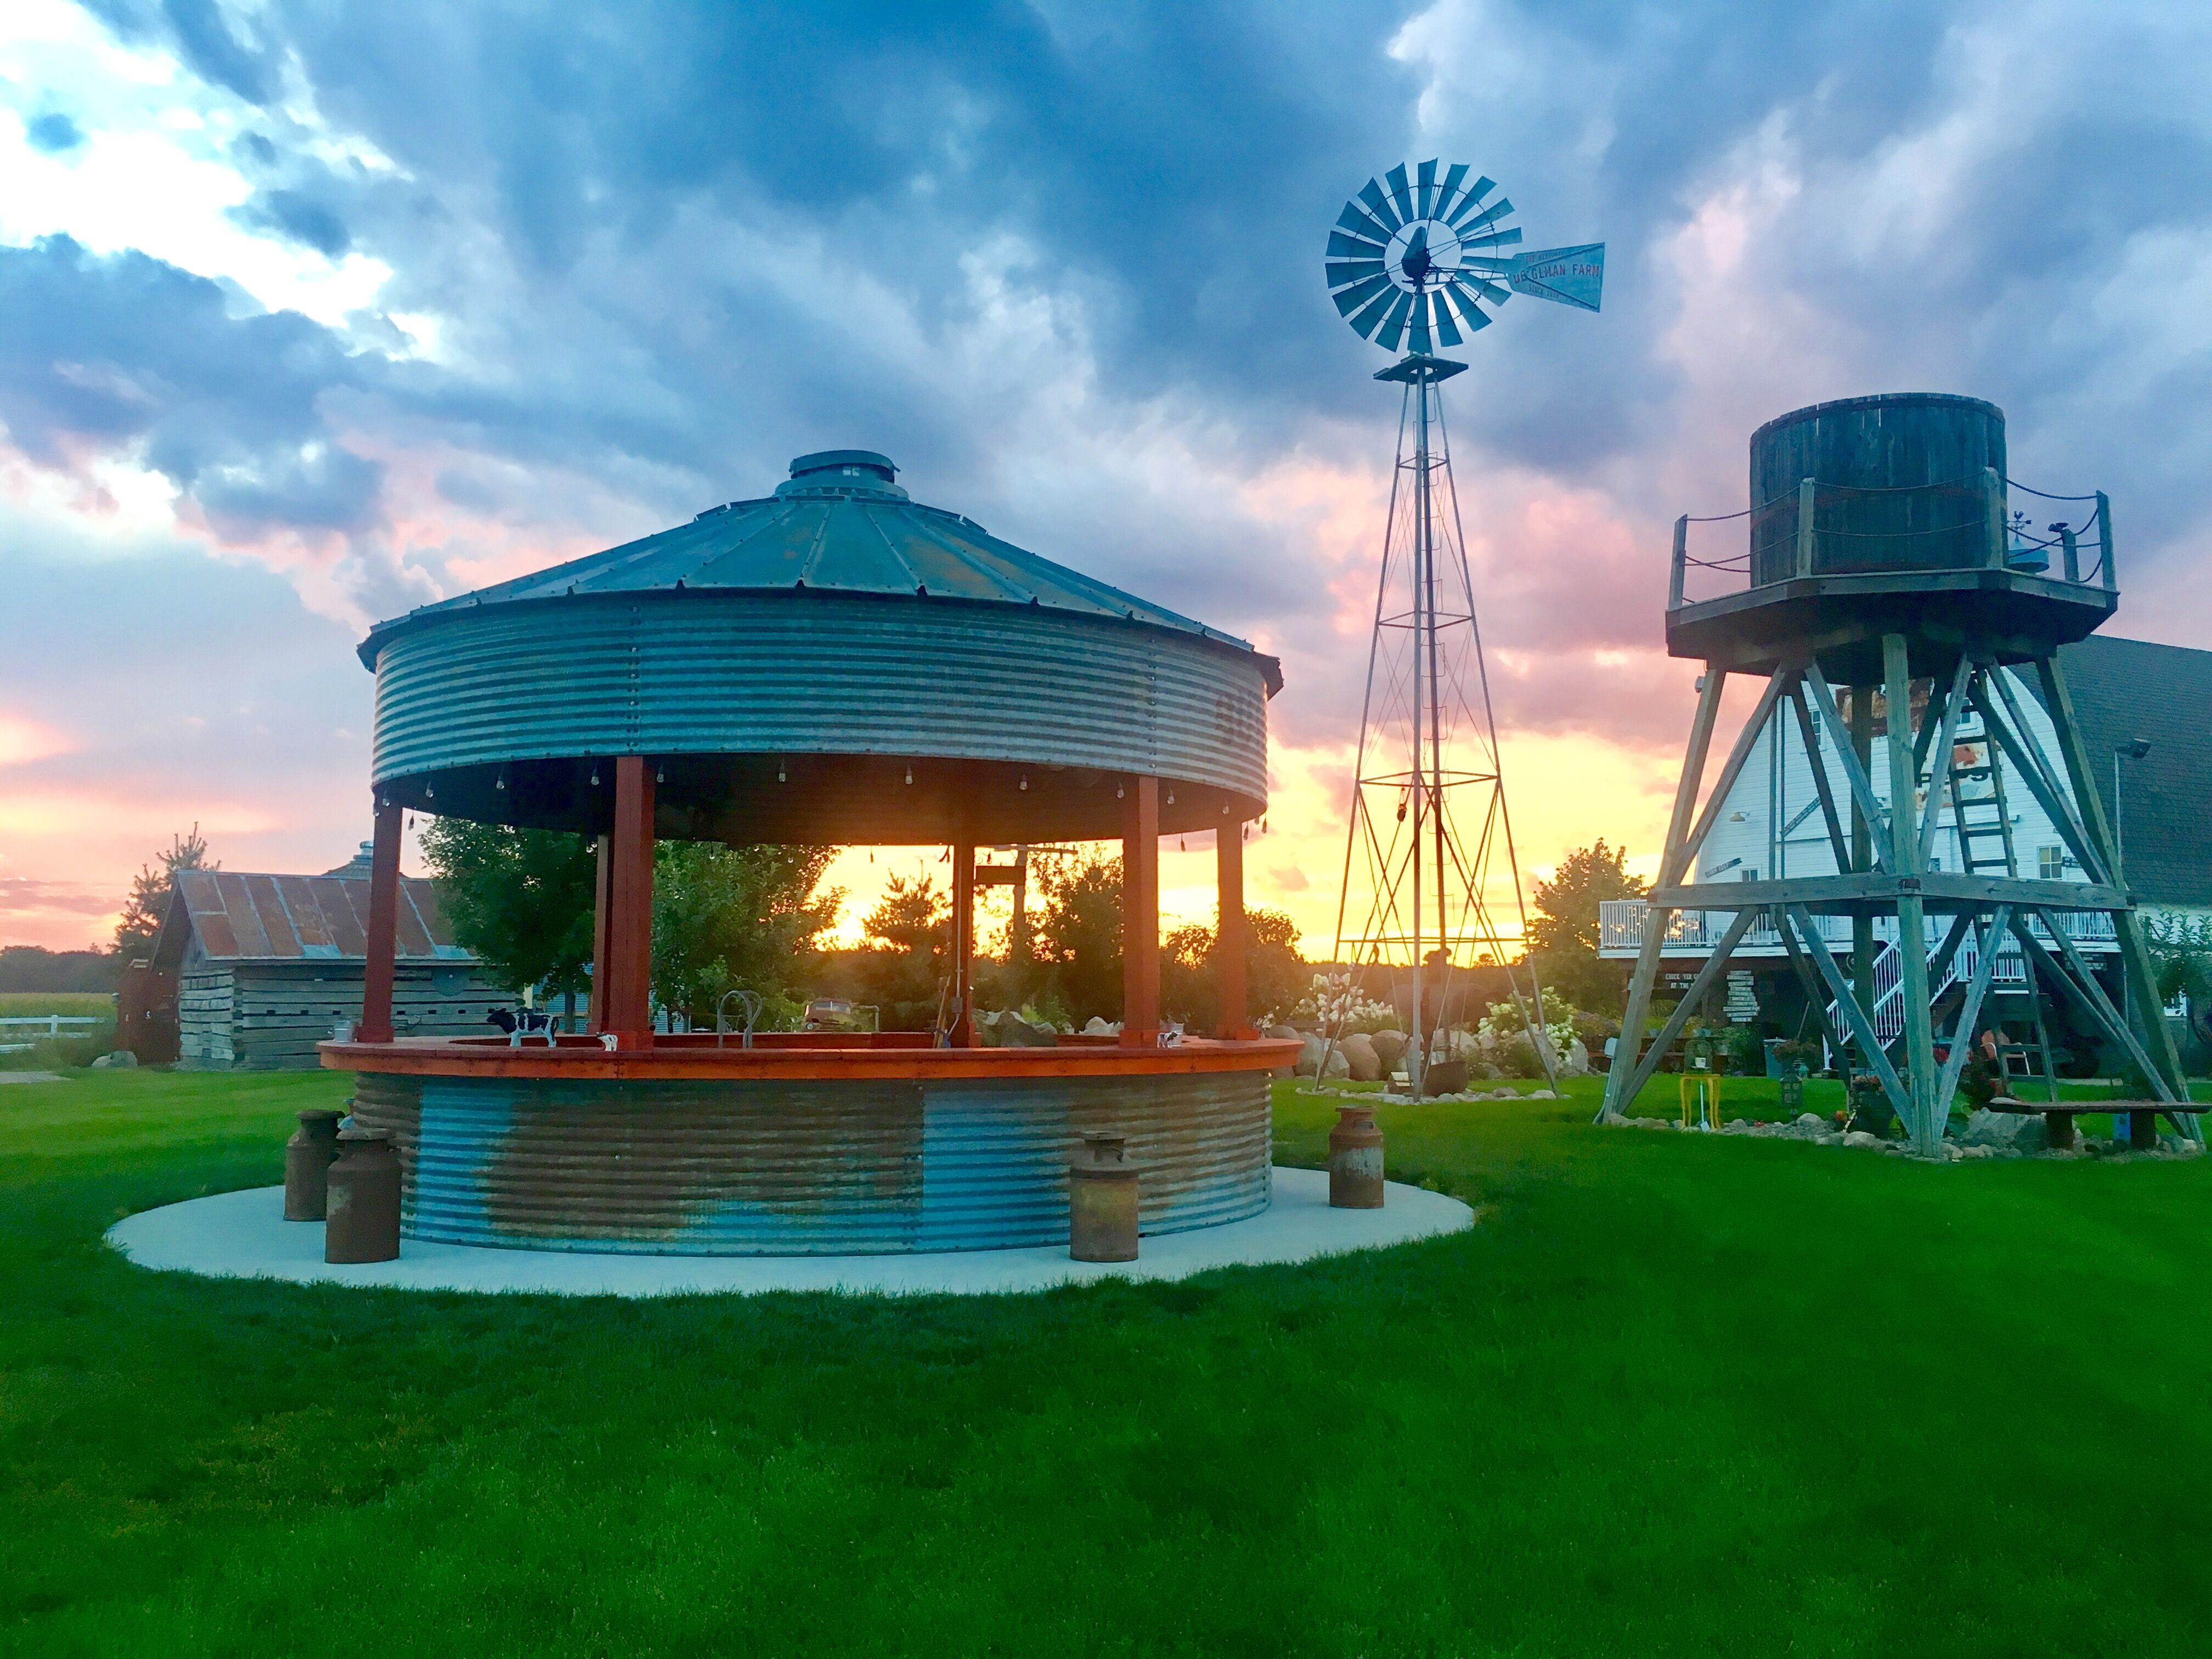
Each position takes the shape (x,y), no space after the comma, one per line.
(834,664)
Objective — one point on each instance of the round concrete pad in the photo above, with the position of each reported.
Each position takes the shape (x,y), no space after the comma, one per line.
(244,1236)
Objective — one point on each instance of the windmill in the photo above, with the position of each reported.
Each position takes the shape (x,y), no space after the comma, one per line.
(1413,263)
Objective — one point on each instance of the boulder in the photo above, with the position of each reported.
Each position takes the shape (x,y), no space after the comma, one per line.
(120,1057)
(1099,1027)
(2017,1131)
(1008,1029)
(1390,1049)
(1538,1094)
(1861,1138)
(1287,1033)
(1309,1062)
(1363,1064)
(1576,1062)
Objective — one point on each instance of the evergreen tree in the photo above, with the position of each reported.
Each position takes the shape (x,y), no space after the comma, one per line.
(1563,927)
(149,894)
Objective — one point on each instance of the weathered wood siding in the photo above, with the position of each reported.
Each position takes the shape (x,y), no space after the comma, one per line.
(268,1017)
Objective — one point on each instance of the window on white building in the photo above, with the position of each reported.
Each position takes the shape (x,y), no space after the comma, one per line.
(2050,863)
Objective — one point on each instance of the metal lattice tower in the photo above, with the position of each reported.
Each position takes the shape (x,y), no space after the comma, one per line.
(1413,261)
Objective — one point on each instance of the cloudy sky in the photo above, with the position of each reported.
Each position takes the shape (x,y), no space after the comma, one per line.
(310,312)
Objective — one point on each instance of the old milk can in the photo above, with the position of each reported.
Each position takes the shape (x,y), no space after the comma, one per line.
(308,1158)
(364,1199)
(1101,1201)
(1355,1160)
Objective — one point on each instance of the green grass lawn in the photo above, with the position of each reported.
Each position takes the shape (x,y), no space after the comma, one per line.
(1676,1395)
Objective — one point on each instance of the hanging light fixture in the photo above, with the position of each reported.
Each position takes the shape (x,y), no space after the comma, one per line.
(595,774)
(500,782)
(660,774)
(778,772)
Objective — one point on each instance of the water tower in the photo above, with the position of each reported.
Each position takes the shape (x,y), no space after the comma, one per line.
(1889,599)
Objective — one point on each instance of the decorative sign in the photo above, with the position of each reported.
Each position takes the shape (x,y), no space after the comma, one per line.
(1571,276)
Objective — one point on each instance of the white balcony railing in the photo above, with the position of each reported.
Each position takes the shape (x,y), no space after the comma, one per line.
(1695,933)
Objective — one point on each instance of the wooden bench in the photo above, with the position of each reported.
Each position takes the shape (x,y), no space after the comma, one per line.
(2059,1117)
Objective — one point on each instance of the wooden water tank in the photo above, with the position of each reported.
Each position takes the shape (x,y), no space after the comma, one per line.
(1902,484)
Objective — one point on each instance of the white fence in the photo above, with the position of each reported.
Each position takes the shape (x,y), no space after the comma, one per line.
(47,1025)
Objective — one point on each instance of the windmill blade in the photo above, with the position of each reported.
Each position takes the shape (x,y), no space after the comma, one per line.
(1401,193)
(1379,206)
(1352,270)
(1447,331)
(1475,192)
(1351,299)
(1394,326)
(1378,308)
(1425,189)
(1478,286)
(1496,239)
(1360,223)
(1482,220)
(1472,315)
(1569,276)
(1449,189)
(1341,247)
(1419,339)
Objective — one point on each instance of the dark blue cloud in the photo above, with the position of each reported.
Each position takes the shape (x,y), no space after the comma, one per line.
(127,352)
(53,135)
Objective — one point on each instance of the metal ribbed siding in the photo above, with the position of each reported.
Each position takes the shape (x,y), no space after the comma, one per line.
(802,673)
(789,1168)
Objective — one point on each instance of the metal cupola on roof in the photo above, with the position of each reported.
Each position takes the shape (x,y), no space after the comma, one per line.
(788,661)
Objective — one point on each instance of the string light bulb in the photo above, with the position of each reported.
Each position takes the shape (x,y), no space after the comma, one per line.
(660,774)
(1026,785)
(500,782)
(595,776)
(909,774)
(778,772)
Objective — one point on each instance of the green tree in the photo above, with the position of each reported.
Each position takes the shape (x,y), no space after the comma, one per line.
(150,888)
(908,952)
(737,918)
(1563,927)
(522,900)
(1079,934)
(1275,975)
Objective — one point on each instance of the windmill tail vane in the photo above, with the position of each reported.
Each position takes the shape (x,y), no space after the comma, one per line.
(1420,258)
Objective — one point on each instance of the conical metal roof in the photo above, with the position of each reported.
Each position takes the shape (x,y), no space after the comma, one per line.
(840,524)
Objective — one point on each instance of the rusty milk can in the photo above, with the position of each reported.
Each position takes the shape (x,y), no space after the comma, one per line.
(364,1199)
(1355,1160)
(308,1158)
(1101,1201)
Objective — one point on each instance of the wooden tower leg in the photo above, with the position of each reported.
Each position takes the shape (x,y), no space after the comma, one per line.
(1141,913)
(1926,1128)
(629,969)
(383,944)
(2135,956)
(963,1035)
(1656,917)
(1231,931)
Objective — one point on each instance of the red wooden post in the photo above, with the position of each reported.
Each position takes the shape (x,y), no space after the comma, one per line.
(630,906)
(600,901)
(964,945)
(1232,933)
(1140,913)
(383,926)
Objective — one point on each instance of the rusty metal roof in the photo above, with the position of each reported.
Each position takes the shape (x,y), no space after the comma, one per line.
(839,525)
(242,917)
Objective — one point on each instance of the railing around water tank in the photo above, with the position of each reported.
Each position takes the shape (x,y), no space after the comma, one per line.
(1823,530)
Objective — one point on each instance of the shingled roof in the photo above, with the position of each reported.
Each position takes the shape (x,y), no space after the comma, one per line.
(2124,689)
(242,917)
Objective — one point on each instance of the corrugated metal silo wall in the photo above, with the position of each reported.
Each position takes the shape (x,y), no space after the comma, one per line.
(798,673)
(795,1169)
